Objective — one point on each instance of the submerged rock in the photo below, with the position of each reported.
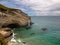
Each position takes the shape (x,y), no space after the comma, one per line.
(24,42)
(44,29)
(32,33)
(28,27)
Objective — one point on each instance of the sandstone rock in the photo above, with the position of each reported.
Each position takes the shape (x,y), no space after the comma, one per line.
(7,35)
(2,40)
(12,17)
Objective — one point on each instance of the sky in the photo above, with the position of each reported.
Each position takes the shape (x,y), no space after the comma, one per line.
(35,7)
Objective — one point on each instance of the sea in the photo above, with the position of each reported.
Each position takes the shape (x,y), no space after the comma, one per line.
(37,36)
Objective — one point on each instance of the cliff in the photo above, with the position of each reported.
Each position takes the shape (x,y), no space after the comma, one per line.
(13,18)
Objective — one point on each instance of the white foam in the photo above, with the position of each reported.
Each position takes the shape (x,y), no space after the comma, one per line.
(19,40)
(13,40)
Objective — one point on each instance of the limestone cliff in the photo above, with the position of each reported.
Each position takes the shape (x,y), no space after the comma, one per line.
(10,17)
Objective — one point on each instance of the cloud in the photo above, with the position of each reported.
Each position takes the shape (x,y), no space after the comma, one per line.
(36,7)
(41,7)
(37,4)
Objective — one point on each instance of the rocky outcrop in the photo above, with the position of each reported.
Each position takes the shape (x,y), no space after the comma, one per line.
(13,17)
(6,34)
(2,40)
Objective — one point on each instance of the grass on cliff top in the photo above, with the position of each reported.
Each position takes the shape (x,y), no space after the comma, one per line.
(6,8)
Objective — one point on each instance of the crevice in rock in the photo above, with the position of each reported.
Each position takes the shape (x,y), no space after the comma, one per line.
(13,25)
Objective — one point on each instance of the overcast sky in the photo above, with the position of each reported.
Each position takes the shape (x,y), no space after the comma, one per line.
(35,7)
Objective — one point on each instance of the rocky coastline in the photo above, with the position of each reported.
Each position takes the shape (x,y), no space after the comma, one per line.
(12,18)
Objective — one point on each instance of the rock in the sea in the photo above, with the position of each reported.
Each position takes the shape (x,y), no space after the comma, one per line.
(44,29)
(24,42)
(13,18)
(32,33)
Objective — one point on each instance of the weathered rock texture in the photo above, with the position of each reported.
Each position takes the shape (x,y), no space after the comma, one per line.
(13,17)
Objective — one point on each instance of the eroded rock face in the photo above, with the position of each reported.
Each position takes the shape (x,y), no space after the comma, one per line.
(2,40)
(5,32)
(9,17)
(5,36)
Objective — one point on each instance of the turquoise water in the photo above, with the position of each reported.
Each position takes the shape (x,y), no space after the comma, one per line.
(39,37)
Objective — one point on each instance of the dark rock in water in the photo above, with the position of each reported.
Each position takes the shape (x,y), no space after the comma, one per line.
(44,29)
(24,42)
(28,27)
(32,33)
(31,23)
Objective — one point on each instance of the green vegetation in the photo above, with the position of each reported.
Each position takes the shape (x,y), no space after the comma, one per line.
(6,8)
